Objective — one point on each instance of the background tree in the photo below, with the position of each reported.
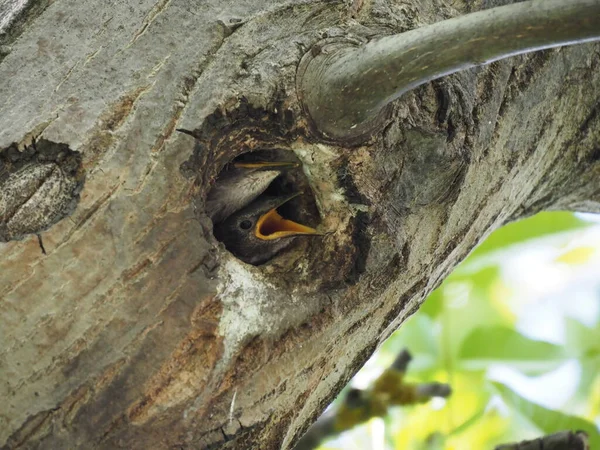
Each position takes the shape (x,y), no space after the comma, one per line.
(514,329)
(135,328)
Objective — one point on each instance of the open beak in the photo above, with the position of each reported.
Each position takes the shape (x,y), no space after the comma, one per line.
(265,165)
(272,225)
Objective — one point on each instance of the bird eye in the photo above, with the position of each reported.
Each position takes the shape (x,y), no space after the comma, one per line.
(245,224)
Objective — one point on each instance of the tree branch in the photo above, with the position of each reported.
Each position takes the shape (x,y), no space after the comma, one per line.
(564,440)
(344,89)
(359,406)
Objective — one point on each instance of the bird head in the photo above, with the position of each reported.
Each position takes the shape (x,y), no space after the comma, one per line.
(258,232)
(241,183)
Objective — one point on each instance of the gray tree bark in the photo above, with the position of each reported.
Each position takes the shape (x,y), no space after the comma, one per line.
(137,329)
(564,440)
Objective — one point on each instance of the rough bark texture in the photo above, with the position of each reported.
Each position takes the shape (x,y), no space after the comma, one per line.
(137,329)
(564,440)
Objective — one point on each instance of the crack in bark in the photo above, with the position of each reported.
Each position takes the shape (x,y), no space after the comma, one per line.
(112,119)
(90,56)
(34,425)
(189,82)
(66,77)
(156,11)
(87,215)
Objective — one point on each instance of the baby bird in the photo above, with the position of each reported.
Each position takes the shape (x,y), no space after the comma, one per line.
(240,184)
(257,232)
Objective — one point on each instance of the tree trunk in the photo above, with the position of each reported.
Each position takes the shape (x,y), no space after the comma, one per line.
(137,328)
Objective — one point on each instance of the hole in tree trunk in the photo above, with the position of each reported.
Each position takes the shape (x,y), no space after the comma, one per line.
(261,203)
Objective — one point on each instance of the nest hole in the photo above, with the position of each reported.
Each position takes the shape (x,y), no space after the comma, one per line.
(261,205)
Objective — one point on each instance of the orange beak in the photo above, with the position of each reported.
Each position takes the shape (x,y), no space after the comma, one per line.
(266,165)
(272,225)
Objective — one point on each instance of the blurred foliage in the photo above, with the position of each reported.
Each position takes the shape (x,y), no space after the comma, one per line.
(480,332)
(547,420)
(542,224)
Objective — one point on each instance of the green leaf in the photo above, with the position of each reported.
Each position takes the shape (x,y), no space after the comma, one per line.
(482,278)
(434,304)
(582,341)
(542,224)
(486,345)
(469,422)
(418,338)
(546,420)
